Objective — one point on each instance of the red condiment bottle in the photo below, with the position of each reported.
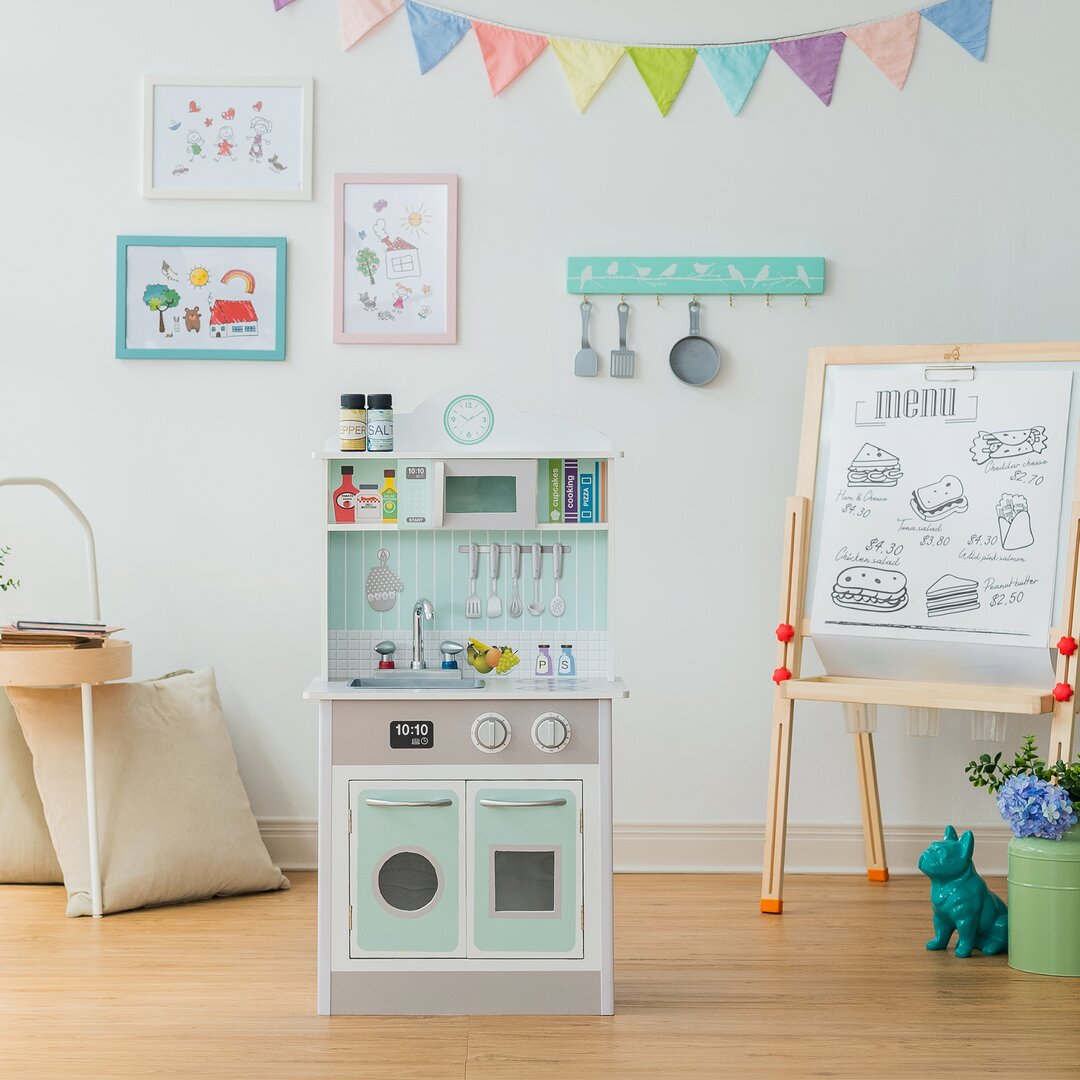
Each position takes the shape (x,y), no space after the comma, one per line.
(345,497)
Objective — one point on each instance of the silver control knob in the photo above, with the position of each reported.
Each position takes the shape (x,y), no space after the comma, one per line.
(491,732)
(551,732)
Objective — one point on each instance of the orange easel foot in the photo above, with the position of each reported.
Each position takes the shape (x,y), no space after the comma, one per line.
(874,874)
(772,907)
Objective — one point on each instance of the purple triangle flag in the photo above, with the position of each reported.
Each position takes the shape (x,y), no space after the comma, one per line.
(279,4)
(967,22)
(814,60)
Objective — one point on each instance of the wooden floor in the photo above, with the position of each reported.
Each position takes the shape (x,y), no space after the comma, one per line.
(705,986)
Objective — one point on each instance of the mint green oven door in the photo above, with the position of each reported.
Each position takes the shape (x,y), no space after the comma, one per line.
(406,868)
(525,886)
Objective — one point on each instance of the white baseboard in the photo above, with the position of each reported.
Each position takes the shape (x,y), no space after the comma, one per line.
(709,848)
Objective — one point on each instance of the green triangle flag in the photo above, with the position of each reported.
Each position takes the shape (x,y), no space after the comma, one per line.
(586,65)
(664,72)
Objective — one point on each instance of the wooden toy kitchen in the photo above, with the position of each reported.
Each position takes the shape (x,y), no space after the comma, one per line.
(464,711)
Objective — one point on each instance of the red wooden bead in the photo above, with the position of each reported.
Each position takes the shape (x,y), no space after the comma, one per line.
(1066,646)
(785,632)
(780,675)
(1062,692)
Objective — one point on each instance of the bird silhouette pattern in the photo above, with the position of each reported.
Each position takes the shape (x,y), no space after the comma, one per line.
(691,275)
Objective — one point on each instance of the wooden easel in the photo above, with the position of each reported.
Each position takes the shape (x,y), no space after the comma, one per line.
(794,627)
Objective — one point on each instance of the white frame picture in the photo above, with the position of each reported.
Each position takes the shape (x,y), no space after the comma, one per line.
(191,111)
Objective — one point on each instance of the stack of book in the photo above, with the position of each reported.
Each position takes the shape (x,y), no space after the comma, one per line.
(573,491)
(33,634)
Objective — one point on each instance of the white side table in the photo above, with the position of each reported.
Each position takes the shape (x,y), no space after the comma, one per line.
(58,668)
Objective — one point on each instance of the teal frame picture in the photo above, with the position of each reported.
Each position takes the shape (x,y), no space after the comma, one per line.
(200,297)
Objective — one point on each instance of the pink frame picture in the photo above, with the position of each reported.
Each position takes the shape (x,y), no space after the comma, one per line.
(395,259)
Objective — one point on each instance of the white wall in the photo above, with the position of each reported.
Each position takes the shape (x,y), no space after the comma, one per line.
(945,214)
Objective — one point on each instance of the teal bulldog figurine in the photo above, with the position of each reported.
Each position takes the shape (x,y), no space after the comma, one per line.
(961,900)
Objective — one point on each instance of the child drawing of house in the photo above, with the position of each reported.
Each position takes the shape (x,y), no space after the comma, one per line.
(233,318)
(402,258)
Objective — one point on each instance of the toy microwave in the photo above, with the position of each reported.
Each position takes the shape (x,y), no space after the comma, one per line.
(467,494)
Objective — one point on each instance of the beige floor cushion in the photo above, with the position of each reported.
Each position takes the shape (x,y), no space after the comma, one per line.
(26,852)
(174,819)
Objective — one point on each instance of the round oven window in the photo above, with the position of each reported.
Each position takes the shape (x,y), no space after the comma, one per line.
(408,882)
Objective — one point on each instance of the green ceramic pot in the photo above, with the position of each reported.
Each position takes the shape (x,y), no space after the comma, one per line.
(1044,905)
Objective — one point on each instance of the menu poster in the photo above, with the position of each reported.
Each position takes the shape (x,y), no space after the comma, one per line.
(942,506)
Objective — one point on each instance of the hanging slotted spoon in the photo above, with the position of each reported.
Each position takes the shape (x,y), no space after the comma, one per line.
(558,604)
(514,608)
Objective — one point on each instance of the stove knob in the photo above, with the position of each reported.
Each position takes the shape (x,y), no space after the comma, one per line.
(551,732)
(491,732)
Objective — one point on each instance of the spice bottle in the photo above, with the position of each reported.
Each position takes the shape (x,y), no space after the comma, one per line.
(380,422)
(352,422)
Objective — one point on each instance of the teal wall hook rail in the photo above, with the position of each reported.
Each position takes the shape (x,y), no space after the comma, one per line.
(682,276)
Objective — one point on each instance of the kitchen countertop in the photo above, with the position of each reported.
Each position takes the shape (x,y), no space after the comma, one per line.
(503,688)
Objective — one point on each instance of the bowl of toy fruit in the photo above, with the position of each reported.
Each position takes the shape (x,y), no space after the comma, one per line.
(487,659)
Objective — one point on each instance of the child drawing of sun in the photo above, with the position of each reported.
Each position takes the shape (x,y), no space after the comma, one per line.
(416,219)
(198,276)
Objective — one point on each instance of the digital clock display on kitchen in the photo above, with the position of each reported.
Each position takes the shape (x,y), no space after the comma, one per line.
(411,734)
(469,419)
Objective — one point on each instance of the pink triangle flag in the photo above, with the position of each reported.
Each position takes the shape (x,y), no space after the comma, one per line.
(814,60)
(890,44)
(357,17)
(507,53)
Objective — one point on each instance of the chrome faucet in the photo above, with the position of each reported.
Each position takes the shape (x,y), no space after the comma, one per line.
(422,610)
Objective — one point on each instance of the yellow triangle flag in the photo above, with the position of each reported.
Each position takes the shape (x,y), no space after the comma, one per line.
(586,66)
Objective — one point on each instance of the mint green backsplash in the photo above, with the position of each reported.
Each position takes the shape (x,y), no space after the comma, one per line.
(429,564)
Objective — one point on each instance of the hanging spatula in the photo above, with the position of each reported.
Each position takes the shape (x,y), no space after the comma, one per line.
(622,358)
(586,362)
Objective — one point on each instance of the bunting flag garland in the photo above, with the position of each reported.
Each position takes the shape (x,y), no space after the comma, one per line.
(434,32)
(735,69)
(663,71)
(814,60)
(967,22)
(358,17)
(507,53)
(734,66)
(586,65)
(890,44)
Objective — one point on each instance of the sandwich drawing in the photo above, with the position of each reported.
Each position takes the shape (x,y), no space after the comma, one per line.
(951,594)
(936,501)
(873,467)
(1014,522)
(1007,444)
(869,588)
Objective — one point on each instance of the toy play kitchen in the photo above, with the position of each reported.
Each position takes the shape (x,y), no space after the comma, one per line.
(464,711)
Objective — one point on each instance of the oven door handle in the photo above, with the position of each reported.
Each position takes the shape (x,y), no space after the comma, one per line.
(539,802)
(389,802)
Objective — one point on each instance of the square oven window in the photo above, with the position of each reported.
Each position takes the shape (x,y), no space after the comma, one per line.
(525,882)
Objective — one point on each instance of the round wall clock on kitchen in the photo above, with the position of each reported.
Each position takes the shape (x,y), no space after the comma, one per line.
(469,419)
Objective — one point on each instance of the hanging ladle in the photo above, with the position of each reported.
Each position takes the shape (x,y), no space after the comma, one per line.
(694,359)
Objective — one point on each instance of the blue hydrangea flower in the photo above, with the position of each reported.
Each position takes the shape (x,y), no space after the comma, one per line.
(1034,807)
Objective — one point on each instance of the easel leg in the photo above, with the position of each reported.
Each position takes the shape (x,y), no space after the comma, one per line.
(772,877)
(1061,733)
(873,833)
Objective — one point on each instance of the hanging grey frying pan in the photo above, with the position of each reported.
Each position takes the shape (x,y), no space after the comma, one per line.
(694,359)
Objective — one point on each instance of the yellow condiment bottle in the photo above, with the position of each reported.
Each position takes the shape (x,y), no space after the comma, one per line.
(389,497)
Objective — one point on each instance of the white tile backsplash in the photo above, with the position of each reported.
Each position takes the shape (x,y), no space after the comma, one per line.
(352,655)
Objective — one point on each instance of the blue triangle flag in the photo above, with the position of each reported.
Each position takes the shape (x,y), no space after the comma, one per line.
(434,32)
(967,22)
(735,69)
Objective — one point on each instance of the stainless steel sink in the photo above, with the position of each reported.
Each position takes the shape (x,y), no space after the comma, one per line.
(436,679)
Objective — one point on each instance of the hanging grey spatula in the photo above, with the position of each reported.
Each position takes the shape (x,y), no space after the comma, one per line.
(622,358)
(586,362)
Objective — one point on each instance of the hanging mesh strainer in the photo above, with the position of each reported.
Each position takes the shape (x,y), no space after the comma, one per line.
(383,584)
